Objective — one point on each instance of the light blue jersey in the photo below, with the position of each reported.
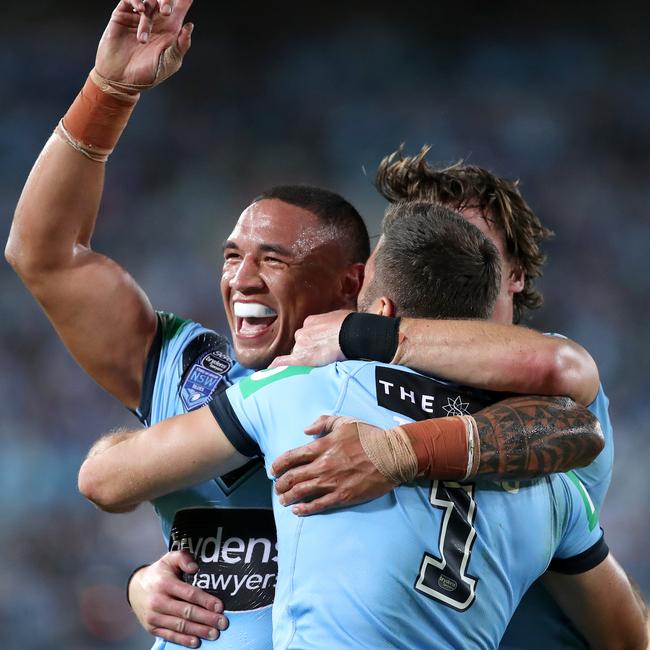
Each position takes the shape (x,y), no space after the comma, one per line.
(429,565)
(538,623)
(186,366)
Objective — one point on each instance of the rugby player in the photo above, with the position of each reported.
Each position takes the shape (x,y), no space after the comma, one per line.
(496,206)
(364,576)
(159,365)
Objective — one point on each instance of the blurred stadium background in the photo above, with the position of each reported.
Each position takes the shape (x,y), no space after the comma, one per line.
(558,96)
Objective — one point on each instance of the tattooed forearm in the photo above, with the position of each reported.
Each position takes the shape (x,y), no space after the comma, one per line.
(523,437)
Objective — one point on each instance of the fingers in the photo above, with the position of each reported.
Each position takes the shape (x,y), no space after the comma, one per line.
(294,457)
(327,423)
(180,561)
(306,489)
(166,7)
(307,356)
(147,10)
(136,6)
(174,637)
(182,613)
(307,453)
(173,626)
(282,361)
(325,502)
(294,476)
(188,619)
(184,41)
(182,632)
(192,595)
(145,25)
(323,424)
(127,13)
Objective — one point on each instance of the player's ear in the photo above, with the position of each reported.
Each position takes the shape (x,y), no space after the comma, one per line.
(517,279)
(385,307)
(351,281)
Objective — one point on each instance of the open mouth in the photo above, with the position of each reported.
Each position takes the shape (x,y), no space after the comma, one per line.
(253,319)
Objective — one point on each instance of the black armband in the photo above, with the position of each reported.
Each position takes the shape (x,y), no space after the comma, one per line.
(128,582)
(369,336)
(232,428)
(582,562)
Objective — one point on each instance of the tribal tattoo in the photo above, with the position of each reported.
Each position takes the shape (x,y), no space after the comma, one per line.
(524,437)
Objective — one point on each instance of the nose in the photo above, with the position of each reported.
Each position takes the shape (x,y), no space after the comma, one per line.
(247,276)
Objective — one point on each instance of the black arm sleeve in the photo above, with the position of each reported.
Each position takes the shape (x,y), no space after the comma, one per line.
(582,562)
(143,412)
(227,419)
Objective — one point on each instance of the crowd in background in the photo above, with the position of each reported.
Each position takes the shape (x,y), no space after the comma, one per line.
(293,98)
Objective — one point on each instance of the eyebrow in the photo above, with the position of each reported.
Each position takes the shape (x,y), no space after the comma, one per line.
(264,248)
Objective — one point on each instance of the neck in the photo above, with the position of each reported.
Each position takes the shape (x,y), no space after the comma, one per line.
(503,312)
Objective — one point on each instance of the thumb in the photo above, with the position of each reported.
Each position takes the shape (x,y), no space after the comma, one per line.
(187,562)
(320,425)
(184,40)
(327,423)
(182,561)
(171,59)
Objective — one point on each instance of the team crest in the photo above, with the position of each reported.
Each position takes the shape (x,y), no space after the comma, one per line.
(202,379)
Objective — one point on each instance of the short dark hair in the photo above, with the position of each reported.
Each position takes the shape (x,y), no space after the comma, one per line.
(331,209)
(410,178)
(433,264)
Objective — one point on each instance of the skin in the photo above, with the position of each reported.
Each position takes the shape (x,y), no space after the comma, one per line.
(556,366)
(520,360)
(512,276)
(146,458)
(101,314)
(281,256)
(333,470)
(621,626)
(119,474)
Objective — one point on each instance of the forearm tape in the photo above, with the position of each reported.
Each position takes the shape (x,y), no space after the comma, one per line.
(369,336)
(442,448)
(95,120)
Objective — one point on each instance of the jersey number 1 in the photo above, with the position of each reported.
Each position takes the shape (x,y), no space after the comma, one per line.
(444,578)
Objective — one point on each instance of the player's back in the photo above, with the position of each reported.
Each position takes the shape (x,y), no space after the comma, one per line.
(428,565)
(441,565)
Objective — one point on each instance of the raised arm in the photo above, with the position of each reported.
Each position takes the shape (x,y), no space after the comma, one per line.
(126,468)
(98,310)
(506,358)
(603,605)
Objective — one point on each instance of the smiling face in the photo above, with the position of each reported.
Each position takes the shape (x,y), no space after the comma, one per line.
(281,264)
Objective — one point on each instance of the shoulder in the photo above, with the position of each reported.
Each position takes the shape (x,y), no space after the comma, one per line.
(576,509)
(185,359)
(176,335)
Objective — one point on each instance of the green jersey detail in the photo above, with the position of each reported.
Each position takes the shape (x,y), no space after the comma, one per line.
(171,324)
(592,515)
(263,378)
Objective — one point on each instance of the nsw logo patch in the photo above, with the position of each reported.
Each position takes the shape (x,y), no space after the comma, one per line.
(202,378)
